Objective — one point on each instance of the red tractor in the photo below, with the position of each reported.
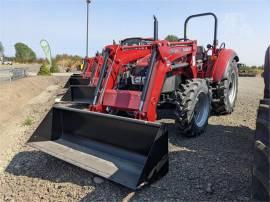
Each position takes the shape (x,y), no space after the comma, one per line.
(84,94)
(179,72)
(116,136)
(89,68)
(81,86)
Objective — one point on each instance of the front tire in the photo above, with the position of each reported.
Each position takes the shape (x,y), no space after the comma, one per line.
(193,101)
(225,93)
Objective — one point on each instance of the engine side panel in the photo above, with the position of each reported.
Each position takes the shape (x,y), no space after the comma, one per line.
(171,83)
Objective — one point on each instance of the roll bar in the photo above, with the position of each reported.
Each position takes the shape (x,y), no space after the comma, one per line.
(215,42)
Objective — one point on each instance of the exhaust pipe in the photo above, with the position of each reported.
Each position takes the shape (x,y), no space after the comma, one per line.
(151,66)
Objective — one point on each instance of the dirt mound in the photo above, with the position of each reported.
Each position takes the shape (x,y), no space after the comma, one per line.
(19,101)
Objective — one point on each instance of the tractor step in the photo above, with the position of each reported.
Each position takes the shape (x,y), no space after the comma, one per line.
(127,151)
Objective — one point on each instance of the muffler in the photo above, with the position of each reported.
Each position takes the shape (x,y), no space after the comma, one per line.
(127,151)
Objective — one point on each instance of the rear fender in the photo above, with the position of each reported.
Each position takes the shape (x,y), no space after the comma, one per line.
(225,57)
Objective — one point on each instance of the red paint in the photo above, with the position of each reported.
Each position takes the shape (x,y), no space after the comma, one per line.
(169,54)
(220,64)
(122,99)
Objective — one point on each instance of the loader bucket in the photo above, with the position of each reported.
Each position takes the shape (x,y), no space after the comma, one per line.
(73,76)
(127,151)
(76,75)
(77,80)
(80,94)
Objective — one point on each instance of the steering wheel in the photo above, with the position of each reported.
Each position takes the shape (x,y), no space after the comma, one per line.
(183,39)
(222,45)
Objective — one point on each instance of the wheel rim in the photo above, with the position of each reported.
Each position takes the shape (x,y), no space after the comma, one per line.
(232,88)
(201,111)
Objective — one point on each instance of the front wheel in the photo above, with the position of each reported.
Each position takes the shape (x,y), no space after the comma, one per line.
(225,93)
(193,101)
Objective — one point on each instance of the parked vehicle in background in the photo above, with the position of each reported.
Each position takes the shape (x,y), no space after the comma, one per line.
(7,63)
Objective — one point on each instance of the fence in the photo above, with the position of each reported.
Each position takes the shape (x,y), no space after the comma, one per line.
(12,74)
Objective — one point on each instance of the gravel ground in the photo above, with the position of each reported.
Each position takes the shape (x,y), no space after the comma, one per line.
(215,166)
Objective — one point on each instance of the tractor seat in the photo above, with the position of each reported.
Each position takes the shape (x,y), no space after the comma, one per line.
(200,55)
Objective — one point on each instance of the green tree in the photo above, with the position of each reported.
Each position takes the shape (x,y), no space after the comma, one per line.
(24,53)
(171,38)
(1,49)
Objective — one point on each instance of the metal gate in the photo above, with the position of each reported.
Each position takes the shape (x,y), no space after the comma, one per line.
(12,74)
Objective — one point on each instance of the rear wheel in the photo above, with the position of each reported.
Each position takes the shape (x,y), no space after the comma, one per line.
(260,173)
(225,93)
(192,107)
(261,158)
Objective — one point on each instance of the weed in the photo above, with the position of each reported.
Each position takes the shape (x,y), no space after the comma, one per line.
(28,121)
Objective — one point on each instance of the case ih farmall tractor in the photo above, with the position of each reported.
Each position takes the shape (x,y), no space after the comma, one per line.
(81,90)
(89,71)
(91,66)
(114,133)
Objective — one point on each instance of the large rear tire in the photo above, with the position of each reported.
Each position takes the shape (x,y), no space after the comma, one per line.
(261,163)
(193,102)
(266,74)
(225,93)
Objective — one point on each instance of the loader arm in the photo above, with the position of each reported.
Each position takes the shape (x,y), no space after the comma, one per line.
(120,56)
(165,57)
(167,61)
(90,66)
(96,70)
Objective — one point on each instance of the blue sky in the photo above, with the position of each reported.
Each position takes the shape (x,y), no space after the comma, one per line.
(243,24)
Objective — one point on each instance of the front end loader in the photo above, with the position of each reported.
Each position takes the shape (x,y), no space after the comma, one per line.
(84,77)
(117,135)
(81,89)
(89,77)
(90,64)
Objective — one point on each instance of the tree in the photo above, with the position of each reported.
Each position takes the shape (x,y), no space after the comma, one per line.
(1,49)
(171,38)
(24,53)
